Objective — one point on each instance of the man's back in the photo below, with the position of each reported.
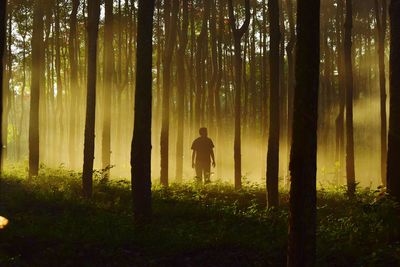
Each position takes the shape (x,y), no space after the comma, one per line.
(203,147)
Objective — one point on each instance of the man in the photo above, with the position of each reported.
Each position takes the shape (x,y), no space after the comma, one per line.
(202,155)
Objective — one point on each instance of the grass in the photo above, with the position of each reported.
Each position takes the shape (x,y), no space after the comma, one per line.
(51,225)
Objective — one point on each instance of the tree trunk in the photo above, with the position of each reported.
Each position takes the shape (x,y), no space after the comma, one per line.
(237,36)
(291,65)
(183,41)
(350,173)
(339,122)
(303,160)
(88,154)
(7,90)
(108,87)
(245,90)
(218,113)
(393,166)
(59,113)
(273,139)
(253,75)
(141,141)
(200,58)
(214,69)
(380,11)
(283,93)
(22,101)
(264,79)
(37,45)
(3,22)
(159,50)
(74,83)
(169,50)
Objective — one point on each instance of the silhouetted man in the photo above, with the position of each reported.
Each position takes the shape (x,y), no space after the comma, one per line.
(202,155)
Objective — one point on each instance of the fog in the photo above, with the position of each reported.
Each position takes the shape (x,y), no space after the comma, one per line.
(55,149)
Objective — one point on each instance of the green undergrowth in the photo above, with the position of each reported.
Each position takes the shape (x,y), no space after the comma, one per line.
(213,225)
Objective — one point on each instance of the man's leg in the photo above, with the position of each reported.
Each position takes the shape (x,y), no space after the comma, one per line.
(207,173)
(199,171)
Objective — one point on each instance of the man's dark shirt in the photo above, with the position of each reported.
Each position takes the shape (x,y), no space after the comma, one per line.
(203,147)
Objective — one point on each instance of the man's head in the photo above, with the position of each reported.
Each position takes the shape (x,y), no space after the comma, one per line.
(203,132)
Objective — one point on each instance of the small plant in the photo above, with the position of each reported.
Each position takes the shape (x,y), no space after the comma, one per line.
(48,218)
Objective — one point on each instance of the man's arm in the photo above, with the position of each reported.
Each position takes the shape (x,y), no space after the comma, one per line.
(212,157)
(193,157)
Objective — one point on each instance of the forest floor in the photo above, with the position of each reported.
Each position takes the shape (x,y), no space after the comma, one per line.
(51,225)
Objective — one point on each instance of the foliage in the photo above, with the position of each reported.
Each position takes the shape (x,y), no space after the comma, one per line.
(51,224)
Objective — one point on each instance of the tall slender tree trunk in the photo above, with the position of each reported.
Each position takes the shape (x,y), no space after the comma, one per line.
(237,36)
(245,91)
(7,91)
(74,83)
(86,37)
(325,99)
(141,141)
(264,81)
(210,73)
(291,65)
(181,76)
(108,87)
(273,139)
(191,71)
(393,166)
(218,113)
(88,154)
(159,50)
(37,45)
(350,172)
(48,106)
(339,122)
(121,83)
(283,93)
(22,98)
(59,105)
(200,58)
(3,20)
(253,74)
(213,89)
(48,93)
(168,53)
(380,11)
(303,159)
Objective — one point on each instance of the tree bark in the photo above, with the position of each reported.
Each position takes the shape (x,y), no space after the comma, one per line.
(141,141)
(303,160)
(213,90)
(350,172)
(200,58)
(237,36)
(291,65)
(59,105)
(37,45)
(183,41)
(108,87)
(393,166)
(339,122)
(264,80)
(168,53)
(74,83)
(273,139)
(88,154)
(3,20)
(380,12)
(253,73)
(218,108)
(22,101)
